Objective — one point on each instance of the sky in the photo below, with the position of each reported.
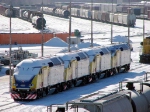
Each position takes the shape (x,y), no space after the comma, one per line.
(101,35)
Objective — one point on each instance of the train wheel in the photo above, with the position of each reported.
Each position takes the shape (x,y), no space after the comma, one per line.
(65,87)
(84,81)
(126,68)
(95,78)
(90,79)
(58,88)
(70,84)
(38,94)
(98,75)
(44,93)
(107,74)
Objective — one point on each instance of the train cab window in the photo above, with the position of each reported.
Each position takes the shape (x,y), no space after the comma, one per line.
(82,56)
(50,64)
(121,48)
(61,60)
(78,58)
(101,53)
(55,61)
(40,72)
(105,51)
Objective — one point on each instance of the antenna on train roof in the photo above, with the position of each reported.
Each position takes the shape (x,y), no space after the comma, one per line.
(144,21)
(69,29)
(91,24)
(129,11)
(112,24)
(10,41)
(42,33)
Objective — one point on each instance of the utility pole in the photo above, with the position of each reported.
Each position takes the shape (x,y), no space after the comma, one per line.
(129,24)
(69,29)
(42,33)
(10,41)
(143,22)
(91,24)
(112,23)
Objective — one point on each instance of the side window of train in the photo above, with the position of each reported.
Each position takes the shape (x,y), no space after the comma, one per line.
(82,56)
(61,60)
(78,58)
(69,64)
(55,61)
(40,72)
(50,64)
(94,59)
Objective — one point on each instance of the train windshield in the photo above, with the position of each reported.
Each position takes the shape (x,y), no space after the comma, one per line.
(27,70)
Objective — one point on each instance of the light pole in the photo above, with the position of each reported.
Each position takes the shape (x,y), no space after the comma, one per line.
(69,28)
(42,33)
(112,23)
(10,41)
(144,21)
(129,24)
(91,24)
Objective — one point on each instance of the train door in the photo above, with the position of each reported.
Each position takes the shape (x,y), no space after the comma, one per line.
(45,76)
(74,69)
(97,62)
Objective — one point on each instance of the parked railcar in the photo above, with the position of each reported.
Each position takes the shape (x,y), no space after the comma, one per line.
(26,13)
(35,78)
(116,18)
(55,11)
(148,14)
(134,97)
(5,11)
(38,22)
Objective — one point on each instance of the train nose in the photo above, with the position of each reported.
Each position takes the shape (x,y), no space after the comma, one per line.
(23,81)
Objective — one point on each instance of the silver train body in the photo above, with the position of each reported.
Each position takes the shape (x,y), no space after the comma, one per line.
(135,97)
(35,78)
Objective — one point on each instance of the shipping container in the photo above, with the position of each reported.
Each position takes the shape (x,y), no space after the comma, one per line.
(116,18)
(120,19)
(148,14)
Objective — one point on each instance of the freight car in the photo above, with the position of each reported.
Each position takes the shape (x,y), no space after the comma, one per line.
(55,11)
(132,96)
(38,22)
(145,54)
(25,14)
(33,16)
(35,78)
(5,11)
(116,18)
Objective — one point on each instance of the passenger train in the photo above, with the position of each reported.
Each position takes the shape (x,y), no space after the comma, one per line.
(35,78)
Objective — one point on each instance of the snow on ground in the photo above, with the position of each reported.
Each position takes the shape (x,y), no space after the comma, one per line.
(101,35)
(56,42)
(18,26)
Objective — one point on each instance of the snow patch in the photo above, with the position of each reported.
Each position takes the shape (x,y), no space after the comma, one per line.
(122,39)
(85,45)
(56,42)
(78,46)
(72,48)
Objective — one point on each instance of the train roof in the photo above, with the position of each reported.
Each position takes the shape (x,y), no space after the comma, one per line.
(30,67)
(67,56)
(34,62)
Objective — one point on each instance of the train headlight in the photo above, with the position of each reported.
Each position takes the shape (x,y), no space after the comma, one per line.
(31,85)
(15,84)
